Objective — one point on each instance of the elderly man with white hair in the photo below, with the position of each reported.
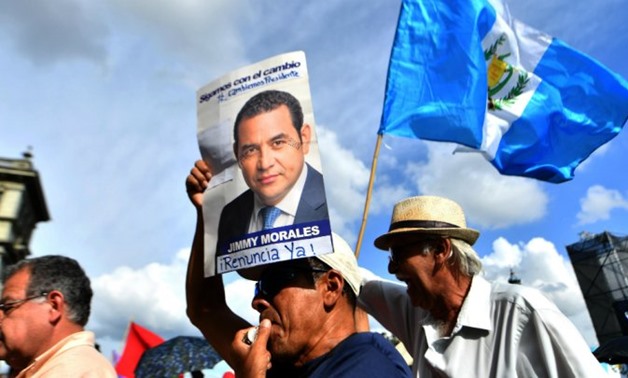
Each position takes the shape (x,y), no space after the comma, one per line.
(453,321)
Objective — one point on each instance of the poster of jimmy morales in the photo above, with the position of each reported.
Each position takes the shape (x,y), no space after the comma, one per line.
(266,200)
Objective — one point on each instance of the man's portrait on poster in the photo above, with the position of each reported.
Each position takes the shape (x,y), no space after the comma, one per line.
(271,141)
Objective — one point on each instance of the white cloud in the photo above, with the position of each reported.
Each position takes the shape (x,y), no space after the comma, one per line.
(200,32)
(538,264)
(154,297)
(47,32)
(191,33)
(346,183)
(386,196)
(490,200)
(598,204)
(346,179)
(503,257)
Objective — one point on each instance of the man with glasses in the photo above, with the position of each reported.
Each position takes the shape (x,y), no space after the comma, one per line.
(306,306)
(455,323)
(44,307)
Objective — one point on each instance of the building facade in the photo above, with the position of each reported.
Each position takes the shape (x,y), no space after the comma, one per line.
(22,206)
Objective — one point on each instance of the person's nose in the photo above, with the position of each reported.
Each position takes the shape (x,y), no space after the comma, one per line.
(266,158)
(259,304)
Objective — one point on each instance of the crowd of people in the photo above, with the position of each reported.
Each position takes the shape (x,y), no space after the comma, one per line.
(452,321)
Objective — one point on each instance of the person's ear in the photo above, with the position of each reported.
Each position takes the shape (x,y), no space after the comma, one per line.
(306,138)
(334,284)
(235,152)
(442,251)
(57,306)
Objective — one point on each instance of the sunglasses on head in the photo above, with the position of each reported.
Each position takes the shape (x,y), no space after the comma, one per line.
(274,280)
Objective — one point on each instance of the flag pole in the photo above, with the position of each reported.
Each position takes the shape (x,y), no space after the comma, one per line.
(368,195)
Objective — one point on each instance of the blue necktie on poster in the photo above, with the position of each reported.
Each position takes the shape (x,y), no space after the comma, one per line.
(269,215)
(466,72)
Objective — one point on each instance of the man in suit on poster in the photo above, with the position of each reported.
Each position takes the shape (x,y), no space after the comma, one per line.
(270,144)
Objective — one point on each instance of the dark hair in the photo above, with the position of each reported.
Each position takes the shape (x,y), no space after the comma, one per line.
(59,273)
(265,102)
(346,289)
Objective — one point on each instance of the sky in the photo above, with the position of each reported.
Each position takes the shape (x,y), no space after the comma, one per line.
(104,95)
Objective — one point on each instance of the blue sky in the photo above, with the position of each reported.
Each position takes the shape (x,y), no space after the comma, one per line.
(104,92)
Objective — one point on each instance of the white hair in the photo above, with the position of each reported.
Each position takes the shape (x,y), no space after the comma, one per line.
(465,258)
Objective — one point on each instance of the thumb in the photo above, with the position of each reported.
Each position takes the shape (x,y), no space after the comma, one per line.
(263,333)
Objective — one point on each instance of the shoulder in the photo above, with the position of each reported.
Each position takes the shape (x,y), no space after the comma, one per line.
(314,177)
(313,172)
(79,361)
(542,330)
(528,306)
(244,199)
(238,209)
(368,354)
(371,342)
(523,297)
(377,293)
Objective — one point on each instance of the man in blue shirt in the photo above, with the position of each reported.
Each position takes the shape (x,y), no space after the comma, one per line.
(306,306)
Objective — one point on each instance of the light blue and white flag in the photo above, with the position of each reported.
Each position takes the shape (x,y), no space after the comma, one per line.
(466,72)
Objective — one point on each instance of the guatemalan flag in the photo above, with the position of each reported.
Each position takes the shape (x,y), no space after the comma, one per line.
(466,72)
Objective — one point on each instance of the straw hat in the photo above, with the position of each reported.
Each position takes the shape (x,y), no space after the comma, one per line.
(428,215)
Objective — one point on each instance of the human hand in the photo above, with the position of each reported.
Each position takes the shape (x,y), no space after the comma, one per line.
(197,181)
(254,357)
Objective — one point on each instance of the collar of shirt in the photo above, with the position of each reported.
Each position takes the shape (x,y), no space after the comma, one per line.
(474,313)
(288,205)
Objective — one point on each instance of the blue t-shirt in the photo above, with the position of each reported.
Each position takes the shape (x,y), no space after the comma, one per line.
(360,355)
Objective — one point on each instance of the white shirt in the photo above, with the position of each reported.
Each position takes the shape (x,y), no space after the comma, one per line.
(288,205)
(503,330)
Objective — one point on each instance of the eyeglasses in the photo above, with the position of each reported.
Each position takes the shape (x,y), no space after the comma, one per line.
(6,307)
(273,281)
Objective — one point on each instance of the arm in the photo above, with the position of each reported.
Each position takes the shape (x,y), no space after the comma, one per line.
(206,304)
(390,305)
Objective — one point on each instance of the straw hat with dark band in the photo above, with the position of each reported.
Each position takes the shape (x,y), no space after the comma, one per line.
(428,215)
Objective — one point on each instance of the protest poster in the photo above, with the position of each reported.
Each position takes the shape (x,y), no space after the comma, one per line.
(256,130)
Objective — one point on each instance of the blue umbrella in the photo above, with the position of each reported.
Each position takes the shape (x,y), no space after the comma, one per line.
(176,356)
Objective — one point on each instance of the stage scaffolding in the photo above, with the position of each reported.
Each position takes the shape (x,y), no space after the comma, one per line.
(601,263)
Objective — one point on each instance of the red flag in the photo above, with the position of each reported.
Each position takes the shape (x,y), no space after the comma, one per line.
(137,341)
